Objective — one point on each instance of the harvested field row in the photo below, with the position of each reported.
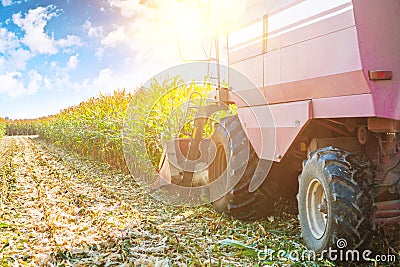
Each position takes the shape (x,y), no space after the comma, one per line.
(58,209)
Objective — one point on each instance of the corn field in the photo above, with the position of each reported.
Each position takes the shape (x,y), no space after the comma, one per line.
(2,127)
(94,128)
(20,127)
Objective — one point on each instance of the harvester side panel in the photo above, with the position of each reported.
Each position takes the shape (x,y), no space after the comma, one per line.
(307,50)
(272,136)
(378,29)
(319,51)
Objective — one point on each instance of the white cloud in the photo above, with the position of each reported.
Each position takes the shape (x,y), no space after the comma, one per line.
(14,57)
(53,65)
(116,37)
(71,40)
(46,83)
(6,2)
(99,53)
(73,62)
(13,86)
(60,82)
(93,31)
(18,59)
(104,80)
(108,81)
(3,64)
(33,25)
(8,40)
(128,8)
(11,2)
(35,37)
(35,83)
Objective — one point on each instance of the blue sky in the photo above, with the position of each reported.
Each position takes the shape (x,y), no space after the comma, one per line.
(54,54)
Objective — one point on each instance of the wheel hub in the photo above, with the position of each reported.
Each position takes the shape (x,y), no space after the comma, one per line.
(323,207)
(317,209)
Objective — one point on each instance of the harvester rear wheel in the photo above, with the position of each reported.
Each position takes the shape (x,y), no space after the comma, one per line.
(231,141)
(336,208)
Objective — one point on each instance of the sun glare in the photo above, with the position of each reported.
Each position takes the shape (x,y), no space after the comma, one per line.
(191,26)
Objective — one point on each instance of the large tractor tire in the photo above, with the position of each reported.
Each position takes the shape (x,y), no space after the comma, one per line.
(336,208)
(233,146)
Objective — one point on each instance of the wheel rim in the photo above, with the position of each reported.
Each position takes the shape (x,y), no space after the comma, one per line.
(219,164)
(316,207)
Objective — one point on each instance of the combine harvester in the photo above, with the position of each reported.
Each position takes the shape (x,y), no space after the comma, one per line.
(329,74)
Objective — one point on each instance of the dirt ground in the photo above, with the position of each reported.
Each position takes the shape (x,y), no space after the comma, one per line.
(57,209)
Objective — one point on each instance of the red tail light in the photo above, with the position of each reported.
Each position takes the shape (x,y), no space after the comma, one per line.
(380,75)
